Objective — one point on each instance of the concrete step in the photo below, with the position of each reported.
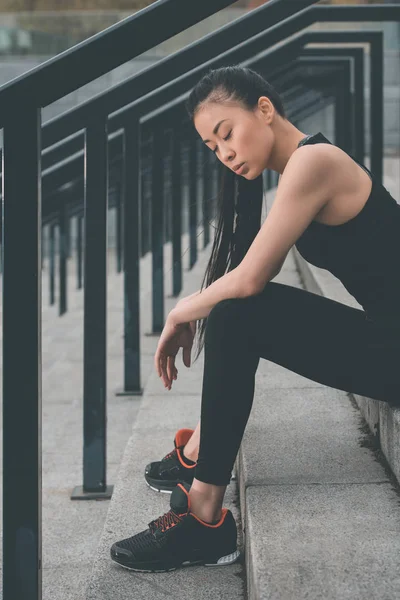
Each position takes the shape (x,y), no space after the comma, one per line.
(319,503)
(134,504)
(72,529)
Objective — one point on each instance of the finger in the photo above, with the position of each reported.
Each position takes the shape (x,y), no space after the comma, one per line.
(159,366)
(157,363)
(163,366)
(169,371)
(170,367)
(174,375)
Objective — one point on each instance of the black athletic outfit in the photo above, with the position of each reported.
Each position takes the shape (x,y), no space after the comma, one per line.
(354,350)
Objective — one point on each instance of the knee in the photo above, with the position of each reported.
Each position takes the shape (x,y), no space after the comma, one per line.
(223,320)
(224,310)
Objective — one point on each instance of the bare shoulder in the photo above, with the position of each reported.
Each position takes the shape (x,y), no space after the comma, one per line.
(323,166)
(326,170)
(312,168)
(318,156)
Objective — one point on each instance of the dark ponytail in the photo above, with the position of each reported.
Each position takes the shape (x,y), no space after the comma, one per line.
(239,200)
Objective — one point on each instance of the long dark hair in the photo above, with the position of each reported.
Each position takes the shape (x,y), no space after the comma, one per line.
(237,196)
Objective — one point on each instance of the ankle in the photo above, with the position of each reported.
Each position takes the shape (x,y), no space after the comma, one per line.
(206,512)
(206,503)
(192,455)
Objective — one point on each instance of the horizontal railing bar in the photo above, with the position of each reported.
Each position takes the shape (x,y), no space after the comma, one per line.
(293,45)
(117,148)
(361,13)
(76,141)
(327,36)
(113,100)
(194,54)
(75,166)
(129,38)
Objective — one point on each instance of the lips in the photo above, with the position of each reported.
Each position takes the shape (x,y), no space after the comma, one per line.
(239,167)
(239,171)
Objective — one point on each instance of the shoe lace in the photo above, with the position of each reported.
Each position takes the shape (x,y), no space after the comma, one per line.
(170,454)
(164,522)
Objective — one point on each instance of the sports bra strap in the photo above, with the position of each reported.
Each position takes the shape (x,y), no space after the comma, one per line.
(320,138)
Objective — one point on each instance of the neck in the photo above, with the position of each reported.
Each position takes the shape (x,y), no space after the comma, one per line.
(287,138)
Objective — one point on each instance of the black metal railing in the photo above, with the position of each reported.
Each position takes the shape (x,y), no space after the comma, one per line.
(110,152)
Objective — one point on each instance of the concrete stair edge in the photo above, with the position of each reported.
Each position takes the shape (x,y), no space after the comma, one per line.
(382,419)
(384,425)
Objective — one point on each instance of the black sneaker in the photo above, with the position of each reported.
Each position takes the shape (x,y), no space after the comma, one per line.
(164,475)
(179,538)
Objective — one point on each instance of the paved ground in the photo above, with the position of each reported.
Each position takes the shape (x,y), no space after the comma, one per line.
(71,529)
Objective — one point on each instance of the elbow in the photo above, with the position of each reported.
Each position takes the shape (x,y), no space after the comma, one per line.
(253,288)
(247,285)
(250,288)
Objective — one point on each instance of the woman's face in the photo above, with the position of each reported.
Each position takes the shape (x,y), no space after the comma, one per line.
(242,137)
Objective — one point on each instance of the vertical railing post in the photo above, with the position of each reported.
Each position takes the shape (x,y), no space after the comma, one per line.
(376,108)
(67,234)
(348,100)
(343,113)
(157,229)
(192,200)
(95,316)
(119,208)
(145,200)
(22,305)
(167,189)
(340,117)
(359,129)
(207,193)
(131,189)
(62,240)
(176,190)
(79,240)
(52,260)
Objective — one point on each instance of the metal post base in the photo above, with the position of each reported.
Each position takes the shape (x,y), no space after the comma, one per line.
(79,494)
(128,393)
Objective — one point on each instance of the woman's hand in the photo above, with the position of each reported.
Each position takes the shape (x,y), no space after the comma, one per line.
(172,338)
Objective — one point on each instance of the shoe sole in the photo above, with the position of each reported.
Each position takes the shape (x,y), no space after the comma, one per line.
(169,491)
(224,561)
(160,490)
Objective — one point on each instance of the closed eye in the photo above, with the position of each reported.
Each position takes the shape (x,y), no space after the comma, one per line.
(226,138)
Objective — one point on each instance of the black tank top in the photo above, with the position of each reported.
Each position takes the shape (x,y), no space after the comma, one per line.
(363,253)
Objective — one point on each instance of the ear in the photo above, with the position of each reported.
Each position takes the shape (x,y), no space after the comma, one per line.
(267,109)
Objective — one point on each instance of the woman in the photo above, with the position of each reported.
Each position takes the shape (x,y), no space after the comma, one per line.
(340,218)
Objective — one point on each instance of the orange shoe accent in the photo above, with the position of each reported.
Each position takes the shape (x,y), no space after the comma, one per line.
(223,513)
(182,461)
(168,520)
(222,519)
(182,437)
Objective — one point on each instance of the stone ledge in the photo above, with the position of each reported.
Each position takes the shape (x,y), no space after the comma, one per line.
(319,504)
(382,419)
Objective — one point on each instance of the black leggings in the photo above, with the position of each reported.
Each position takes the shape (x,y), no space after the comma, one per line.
(316,337)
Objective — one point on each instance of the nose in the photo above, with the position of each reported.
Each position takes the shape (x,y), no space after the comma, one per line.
(227,157)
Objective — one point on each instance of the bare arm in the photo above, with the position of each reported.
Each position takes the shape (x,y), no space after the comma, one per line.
(305,188)
(230,285)
(186,298)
